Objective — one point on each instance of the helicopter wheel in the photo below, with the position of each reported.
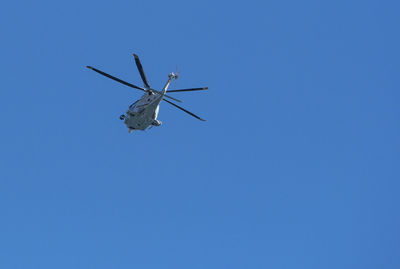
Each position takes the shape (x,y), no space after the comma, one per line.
(122,117)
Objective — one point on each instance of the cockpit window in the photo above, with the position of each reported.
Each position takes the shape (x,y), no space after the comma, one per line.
(133,105)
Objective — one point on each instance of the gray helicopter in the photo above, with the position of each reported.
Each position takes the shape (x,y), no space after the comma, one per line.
(143,113)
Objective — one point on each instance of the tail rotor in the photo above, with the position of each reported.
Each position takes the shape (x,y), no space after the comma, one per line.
(174,75)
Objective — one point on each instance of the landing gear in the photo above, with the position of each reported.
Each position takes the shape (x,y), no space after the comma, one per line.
(156,123)
(122,117)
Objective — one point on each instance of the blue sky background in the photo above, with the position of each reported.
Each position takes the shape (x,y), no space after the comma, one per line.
(297,165)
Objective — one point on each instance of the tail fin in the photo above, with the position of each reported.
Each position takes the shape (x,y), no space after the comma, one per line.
(171,76)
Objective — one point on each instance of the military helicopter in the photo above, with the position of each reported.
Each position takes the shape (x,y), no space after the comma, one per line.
(142,114)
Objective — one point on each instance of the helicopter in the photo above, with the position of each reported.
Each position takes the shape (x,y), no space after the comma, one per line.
(142,114)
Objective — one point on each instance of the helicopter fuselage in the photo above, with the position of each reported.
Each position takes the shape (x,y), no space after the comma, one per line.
(143,113)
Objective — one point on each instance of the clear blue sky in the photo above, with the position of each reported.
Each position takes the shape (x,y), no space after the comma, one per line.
(297,165)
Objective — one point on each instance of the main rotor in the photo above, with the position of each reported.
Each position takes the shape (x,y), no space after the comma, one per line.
(147,87)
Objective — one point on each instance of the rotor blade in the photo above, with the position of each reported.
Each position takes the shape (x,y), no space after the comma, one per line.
(181,108)
(189,90)
(129,84)
(116,79)
(170,97)
(140,67)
